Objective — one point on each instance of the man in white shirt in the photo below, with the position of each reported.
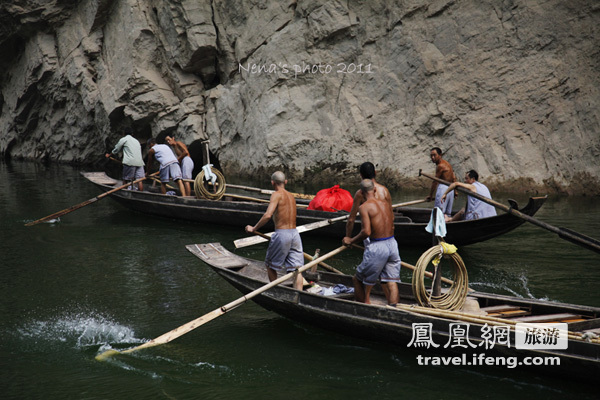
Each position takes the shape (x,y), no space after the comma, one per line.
(169,167)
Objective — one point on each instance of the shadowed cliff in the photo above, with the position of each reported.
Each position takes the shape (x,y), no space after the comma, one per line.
(509,88)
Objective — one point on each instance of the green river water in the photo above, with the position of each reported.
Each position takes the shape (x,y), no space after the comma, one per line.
(105,276)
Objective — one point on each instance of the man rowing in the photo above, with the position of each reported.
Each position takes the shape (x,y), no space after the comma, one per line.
(443,170)
(133,163)
(381,260)
(285,248)
(475,208)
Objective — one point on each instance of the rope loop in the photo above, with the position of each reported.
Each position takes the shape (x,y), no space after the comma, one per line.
(454,298)
(205,191)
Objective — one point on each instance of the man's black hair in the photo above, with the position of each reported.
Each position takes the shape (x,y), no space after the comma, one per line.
(367,170)
(437,150)
(473,174)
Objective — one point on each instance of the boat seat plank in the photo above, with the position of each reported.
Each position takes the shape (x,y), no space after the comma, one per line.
(510,313)
(506,311)
(500,308)
(547,318)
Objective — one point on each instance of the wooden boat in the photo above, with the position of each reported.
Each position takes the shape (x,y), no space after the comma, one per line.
(383,323)
(410,222)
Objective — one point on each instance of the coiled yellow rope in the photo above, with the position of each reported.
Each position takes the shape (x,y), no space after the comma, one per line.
(205,191)
(456,295)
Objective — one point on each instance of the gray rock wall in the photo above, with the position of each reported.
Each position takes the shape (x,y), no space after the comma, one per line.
(509,88)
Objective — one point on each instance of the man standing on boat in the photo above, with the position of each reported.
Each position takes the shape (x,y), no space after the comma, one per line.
(381,260)
(367,171)
(133,163)
(475,208)
(285,248)
(443,171)
(169,167)
(186,162)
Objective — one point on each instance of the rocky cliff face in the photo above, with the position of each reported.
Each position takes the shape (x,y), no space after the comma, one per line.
(510,88)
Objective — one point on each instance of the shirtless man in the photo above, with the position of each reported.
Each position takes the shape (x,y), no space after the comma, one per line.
(169,167)
(285,248)
(475,208)
(381,259)
(367,171)
(443,171)
(186,162)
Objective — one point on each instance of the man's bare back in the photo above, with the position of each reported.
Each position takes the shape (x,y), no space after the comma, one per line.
(379,218)
(284,215)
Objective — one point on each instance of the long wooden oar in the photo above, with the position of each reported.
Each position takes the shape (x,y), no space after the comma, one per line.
(262,191)
(85,203)
(563,233)
(190,326)
(252,240)
(269,192)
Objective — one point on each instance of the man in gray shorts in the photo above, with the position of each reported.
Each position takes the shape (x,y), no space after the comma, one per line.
(285,247)
(169,167)
(184,159)
(381,260)
(133,163)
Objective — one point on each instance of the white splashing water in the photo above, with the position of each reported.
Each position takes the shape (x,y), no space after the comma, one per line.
(80,330)
(517,286)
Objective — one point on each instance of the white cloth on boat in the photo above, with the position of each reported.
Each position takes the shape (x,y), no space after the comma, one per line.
(440,223)
(208,174)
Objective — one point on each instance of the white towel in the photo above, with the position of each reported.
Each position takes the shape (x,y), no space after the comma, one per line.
(208,174)
(440,223)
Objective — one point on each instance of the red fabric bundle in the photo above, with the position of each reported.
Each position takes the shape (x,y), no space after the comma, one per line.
(333,197)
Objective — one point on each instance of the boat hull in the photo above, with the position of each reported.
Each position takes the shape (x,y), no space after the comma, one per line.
(409,227)
(394,326)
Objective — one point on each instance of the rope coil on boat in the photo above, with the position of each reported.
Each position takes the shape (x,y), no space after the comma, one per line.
(205,191)
(454,298)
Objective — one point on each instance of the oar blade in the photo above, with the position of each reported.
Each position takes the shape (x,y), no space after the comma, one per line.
(106,355)
(249,241)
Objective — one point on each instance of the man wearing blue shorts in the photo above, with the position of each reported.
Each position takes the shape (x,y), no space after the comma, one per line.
(381,260)
(169,167)
(285,248)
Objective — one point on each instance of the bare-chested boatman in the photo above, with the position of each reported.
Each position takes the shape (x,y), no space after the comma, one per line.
(367,171)
(185,161)
(381,260)
(285,248)
(443,170)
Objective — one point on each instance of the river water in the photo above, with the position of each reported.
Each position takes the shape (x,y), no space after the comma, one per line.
(105,277)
